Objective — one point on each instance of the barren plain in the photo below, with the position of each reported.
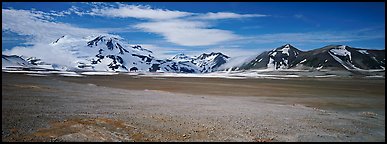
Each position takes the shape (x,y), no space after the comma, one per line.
(136,108)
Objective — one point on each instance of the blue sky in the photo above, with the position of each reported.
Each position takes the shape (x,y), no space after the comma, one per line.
(236,29)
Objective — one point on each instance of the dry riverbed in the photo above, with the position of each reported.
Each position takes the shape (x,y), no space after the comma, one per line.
(135,108)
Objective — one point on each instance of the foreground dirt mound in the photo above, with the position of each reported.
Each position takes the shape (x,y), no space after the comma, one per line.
(94,129)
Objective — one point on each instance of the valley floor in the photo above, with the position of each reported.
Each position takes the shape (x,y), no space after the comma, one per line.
(138,108)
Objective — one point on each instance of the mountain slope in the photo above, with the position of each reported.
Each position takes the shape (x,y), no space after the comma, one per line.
(342,57)
(278,58)
(202,64)
(13,61)
(107,53)
(210,62)
(334,57)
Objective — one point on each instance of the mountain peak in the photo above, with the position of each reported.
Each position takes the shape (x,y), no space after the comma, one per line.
(342,46)
(210,62)
(204,55)
(181,56)
(288,45)
(101,38)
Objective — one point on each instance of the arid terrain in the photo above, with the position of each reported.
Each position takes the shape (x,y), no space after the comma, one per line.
(138,108)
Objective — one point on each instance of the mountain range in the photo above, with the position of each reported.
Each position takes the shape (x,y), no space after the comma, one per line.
(109,53)
(333,57)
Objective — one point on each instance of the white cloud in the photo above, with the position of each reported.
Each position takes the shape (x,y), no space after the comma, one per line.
(227,15)
(146,12)
(178,27)
(187,33)
(138,11)
(75,10)
(237,61)
(37,25)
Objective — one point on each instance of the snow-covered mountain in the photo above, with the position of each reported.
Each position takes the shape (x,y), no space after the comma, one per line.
(181,58)
(109,53)
(105,53)
(342,57)
(94,53)
(336,57)
(210,62)
(13,61)
(202,64)
(278,58)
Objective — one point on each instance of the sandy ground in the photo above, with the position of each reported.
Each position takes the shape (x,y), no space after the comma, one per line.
(133,108)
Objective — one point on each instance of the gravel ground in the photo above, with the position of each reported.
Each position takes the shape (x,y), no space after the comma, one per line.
(49,109)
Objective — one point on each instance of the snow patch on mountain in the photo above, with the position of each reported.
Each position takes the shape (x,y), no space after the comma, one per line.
(302,61)
(341,51)
(343,56)
(346,64)
(271,65)
(279,57)
(285,50)
(363,51)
